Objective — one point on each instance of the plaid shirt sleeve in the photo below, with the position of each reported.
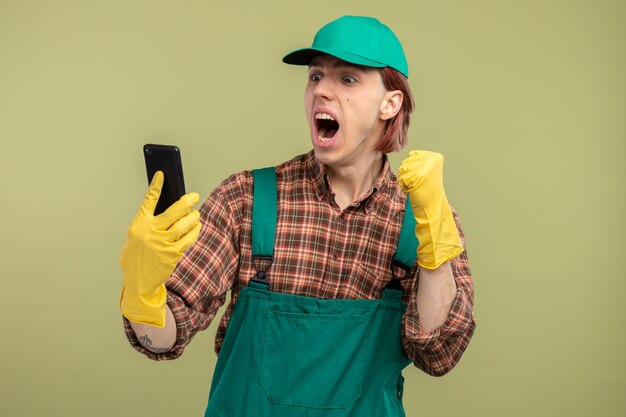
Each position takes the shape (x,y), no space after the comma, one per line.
(437,352)
(197,288)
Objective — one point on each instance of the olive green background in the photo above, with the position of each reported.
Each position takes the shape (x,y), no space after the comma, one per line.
(526,100)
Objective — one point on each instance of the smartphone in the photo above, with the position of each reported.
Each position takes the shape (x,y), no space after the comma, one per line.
(165,158)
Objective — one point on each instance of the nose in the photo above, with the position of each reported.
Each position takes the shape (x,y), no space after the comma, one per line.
(324,89)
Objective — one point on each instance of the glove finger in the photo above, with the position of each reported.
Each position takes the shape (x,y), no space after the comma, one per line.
(419,167)
(421,161)
(189,238)
(420,153)
(409,181)
(176,211)
(152,196)
(183,226)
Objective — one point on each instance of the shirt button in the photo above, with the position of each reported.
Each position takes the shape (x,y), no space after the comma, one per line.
(335,256)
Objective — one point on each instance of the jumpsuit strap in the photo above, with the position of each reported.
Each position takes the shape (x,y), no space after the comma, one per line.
(264,212)
(406,253)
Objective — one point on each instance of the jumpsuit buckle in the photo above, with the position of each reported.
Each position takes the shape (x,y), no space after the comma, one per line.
(261,272)
(261,278)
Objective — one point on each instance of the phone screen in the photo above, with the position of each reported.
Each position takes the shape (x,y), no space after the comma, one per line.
(165,158)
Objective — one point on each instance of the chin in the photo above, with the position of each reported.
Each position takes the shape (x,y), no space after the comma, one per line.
(323,155)
(330,159)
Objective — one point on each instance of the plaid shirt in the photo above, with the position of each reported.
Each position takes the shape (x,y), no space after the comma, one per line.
(319,252)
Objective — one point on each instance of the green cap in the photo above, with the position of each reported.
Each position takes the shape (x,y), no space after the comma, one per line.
(358,40)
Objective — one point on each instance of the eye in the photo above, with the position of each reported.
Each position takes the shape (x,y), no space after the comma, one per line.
(314,77)
(348,79)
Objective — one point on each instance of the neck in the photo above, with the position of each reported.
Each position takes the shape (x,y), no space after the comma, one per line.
(352,182)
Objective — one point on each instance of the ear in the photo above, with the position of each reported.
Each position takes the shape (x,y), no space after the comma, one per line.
(391,104)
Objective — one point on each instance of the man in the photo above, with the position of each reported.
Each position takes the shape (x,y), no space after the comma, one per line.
(315,327)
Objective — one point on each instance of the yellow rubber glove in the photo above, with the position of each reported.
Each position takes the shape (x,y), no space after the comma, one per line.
(421,176)
(153,246)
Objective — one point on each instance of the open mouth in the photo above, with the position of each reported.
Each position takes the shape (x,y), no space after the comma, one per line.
(327,127)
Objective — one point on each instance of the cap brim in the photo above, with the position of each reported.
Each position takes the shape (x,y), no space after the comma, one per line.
(306,55)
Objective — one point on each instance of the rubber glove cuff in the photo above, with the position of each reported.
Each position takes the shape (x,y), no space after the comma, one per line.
(145,309)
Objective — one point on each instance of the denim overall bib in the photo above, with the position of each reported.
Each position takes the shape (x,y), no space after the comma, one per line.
(293,356)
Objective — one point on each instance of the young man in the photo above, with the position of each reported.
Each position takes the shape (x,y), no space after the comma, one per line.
(314,327)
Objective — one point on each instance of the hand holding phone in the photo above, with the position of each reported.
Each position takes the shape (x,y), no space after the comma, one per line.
(155,243)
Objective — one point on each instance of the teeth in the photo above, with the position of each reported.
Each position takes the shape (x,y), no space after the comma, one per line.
(322,131)
(324,116)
